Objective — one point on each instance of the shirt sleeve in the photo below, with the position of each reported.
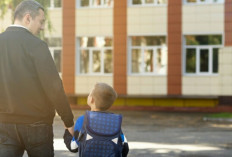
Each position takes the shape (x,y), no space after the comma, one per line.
(51,82)
(125,149)
(70,141)
(79,123)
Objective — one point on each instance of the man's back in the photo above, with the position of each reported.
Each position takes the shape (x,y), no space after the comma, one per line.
(21,92)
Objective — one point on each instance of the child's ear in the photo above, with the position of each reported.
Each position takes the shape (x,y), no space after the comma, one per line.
(92,100)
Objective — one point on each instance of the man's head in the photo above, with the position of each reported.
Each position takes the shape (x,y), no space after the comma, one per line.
(30,14)
(102,96)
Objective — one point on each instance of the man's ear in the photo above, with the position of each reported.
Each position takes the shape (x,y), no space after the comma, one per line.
(27,18)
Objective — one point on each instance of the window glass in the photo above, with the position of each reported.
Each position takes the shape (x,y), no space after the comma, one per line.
(202,54)
(96,42)
(96,2)
(204,40)
(84,3)
(108,61)
(149,1)
(191,1)
(57,59)
(148,60)
(204,1)
(55,47)
(136,61)
(108,3)
(148,55)
(162,1)
(148,40)
(84,61)
(96,55)
(190,60)
(57,3)
(96,61)
(215,60)
(137,2)
(53,42)
(204,60)
(161,61)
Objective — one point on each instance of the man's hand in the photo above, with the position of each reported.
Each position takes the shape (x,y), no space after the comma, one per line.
(71,130)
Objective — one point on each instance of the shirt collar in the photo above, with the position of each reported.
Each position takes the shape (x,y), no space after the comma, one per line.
(15,25)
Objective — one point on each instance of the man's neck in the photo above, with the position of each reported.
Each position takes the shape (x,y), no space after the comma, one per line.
(14,25)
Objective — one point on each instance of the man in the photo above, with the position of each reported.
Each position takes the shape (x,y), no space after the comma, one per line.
(30,87)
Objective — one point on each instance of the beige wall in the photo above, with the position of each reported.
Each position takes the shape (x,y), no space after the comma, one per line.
(94,22)
(147,20)
(225,70)
(220,84)
(200,85)
(147,85)
(83,84)
(56,20)
(203,18)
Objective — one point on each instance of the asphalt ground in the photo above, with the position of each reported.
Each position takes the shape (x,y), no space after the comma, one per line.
(164,134)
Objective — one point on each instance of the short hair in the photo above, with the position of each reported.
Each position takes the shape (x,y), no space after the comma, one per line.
(104,96)
(27,6)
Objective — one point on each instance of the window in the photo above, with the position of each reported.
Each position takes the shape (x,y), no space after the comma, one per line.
(55,4)
(202,1)
(95,55)
(94,3)
(148,55)
(148,2)
(55,47)
(201,54)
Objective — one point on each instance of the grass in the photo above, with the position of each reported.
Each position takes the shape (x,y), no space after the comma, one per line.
(219,115)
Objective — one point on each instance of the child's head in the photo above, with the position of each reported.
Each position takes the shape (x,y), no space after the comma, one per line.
(101,97)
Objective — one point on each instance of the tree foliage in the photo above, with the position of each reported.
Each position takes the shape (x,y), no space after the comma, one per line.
(10,5)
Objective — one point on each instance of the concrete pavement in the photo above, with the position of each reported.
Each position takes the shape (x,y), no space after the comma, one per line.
(162,134)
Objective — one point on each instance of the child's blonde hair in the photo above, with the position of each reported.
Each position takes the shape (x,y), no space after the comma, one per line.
(103,95)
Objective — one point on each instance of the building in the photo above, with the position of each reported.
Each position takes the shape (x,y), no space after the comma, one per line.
(175,53)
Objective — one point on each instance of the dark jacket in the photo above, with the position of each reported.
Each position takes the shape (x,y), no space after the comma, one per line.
(30,87)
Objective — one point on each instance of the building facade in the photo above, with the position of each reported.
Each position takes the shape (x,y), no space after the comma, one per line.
(175,53)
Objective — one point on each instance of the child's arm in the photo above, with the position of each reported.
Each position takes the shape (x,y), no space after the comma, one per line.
(125,149)
(70,141)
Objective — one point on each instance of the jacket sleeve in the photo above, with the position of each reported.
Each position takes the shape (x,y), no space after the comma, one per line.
(70,141)
(125,149)
(51,82)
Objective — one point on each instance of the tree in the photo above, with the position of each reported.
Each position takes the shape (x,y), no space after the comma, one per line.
(10,5)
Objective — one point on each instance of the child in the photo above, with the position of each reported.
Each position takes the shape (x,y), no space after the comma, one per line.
(98,133)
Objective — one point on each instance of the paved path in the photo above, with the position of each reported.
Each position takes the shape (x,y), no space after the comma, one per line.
(160,134)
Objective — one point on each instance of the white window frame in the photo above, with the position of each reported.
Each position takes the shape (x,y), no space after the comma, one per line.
(142,48)
(130,3)
(52,49)
(52,5)
(91,49)
(198,47)
(78,4)
(199,2)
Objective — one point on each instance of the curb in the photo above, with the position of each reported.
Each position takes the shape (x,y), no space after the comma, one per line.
(165,109)
(218,119)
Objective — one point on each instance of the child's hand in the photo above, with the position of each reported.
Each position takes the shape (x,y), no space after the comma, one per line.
(71,130)
(68,140)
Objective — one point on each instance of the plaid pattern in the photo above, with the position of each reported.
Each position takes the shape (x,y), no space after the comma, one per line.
(99,149)
(104,123)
